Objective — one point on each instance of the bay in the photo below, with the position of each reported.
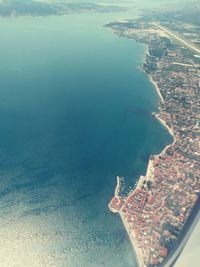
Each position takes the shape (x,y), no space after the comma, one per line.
(75,111)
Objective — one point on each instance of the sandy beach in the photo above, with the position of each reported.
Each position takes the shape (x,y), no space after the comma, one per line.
(154,83)
(162,100)
(165,125)
(156,87)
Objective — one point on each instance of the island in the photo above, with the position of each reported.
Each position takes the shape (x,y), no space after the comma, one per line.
(159,213)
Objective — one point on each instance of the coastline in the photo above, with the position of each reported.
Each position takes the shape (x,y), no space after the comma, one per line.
(166,196)
(152,80)
(170,130)
(149,174)
(150,170)
(156,87)
(132,238)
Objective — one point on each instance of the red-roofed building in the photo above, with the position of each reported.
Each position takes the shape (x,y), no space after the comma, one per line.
(115,204)
(154,261)
(151,200)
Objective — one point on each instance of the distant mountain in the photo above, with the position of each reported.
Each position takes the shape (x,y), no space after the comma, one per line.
(44,8)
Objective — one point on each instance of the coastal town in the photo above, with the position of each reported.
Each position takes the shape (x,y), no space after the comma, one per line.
(158,209)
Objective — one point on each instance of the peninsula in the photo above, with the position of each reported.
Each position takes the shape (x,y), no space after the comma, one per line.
(159,212)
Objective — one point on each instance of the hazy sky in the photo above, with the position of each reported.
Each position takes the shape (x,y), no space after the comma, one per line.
(137,3)
(149,2)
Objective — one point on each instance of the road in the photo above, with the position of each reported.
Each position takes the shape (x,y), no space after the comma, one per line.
(178,38)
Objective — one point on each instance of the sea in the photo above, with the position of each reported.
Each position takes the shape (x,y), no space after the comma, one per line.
(75,111)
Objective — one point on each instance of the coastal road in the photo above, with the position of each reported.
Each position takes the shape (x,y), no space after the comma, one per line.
(177,37)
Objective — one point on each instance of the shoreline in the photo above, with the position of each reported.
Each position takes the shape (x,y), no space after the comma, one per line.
(150,170)
(154,83)
(165,197)
(170,130)
(132,238)
(156,87)
(149,174)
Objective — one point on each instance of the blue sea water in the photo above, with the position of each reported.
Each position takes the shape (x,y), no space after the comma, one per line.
(75,111)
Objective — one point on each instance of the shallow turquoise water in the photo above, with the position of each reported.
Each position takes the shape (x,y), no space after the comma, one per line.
(75,111)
